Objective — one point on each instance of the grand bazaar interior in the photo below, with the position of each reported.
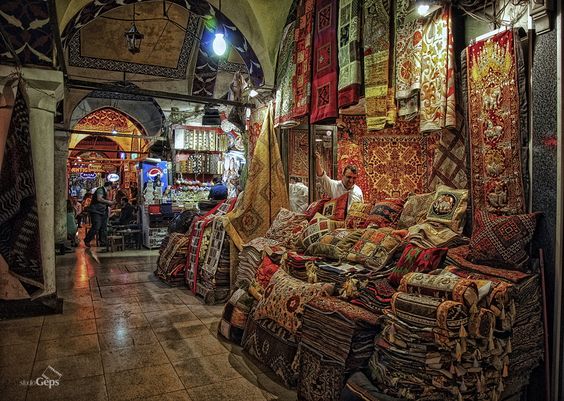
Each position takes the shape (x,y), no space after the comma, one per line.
(314,200)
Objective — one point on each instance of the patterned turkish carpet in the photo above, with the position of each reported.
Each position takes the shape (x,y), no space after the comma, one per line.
(303,36)
(298,146)
(350,65)
(19,223)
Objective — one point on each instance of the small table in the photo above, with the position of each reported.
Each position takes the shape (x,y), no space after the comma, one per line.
(131,236)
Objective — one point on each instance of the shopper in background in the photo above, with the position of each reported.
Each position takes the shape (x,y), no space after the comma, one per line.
(98,212)
(218,191)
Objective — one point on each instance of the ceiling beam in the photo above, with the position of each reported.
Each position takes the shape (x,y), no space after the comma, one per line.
(86,85)
(57,37)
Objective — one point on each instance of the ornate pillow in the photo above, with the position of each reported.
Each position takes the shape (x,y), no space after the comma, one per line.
(318,227)
(265,271)
(375,247)
(336,209)
(315,207)
(449,207)
(385,213)
(415,209)
(342,238)
(284,300)
(415,259)
(357,215)
(287,228)
(326,251)
(501,241)
(235,314)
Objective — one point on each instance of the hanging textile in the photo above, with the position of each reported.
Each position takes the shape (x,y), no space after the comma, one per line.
(301,81)
(377,63)
(437,98)
(298,153)
(19,222)
(255,127)
(324,86)
(350,67)
(265,193)
(408,60)
(285,71)
(496,123)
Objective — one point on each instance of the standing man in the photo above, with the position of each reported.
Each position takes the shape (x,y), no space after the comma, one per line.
(218,191)
(98,212)
(335,188)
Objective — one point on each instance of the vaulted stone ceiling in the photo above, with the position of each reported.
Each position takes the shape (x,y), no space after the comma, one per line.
(175,54)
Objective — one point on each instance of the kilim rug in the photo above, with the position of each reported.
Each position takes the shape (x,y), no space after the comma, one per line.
(449,164)
(350,66)
(397,165)
(437,98)
(255,126)
(285,72)
(495,123)
(408,60)
(376,37)
(19,222)
(351,126)
(325,80)
(298,153)
(303,36)
(266,190)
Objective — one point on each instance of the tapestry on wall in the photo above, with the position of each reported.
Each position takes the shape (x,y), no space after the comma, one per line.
(397,165)
(495,112)
(19,222)
(449,164)
(376,37)
(258,114)
(303,36)
(350,152)
(437,96)
(266,190)
(350,66)
(298,152)
(408,60)
(285,72)
(325,64)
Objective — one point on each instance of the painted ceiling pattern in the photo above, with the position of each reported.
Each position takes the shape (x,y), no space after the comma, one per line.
(106,119)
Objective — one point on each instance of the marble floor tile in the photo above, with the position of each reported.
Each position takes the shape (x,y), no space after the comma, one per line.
(67,346)
(13,381)
(142,382)
(235,389)
(133,321)
(116,360)
(88,388)
(169,317)
(126,337)
(69,328)
(72,367)
(193,347)
(17,354)
(177,331)
(19,335)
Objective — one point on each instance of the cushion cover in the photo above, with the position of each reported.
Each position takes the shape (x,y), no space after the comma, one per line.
(375,247)
(336,209)
(357,215)
(415,259)
(318,227)
(287,228)
(385,213)
(449,207)
(415,209)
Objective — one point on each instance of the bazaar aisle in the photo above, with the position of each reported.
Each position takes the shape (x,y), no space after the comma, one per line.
(125,335)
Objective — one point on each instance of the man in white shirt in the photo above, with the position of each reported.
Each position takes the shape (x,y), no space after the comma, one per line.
(335,188)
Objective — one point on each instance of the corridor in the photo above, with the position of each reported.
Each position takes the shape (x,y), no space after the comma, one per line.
(124,335)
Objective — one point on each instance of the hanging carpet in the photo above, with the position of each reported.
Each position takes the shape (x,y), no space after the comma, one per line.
(285,72)
(19,222)
(265,193)
(350,66)
(496,121)
(303,36)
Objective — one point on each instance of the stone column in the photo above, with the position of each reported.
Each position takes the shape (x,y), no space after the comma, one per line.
(44,89)
(61,155)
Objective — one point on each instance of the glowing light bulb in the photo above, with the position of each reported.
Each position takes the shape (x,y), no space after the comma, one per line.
(253,93)
(423,9)
(219,45)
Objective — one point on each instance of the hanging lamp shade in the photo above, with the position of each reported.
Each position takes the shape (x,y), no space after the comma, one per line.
(219,44)
(133,39)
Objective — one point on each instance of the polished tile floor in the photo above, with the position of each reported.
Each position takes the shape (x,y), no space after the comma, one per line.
(124,335)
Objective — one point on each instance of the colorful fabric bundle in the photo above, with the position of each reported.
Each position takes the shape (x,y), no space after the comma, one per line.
(265,272)
(336,209)
(341,274)
(303,36)
(415,259)
(325,64)
(502,241)
(455,289)
(235,314)
(350,66)
(497,122)
(266,191)
(251,257)
(172,259)
(375,296)
(434,235)
(376,38)
(295,264)
(285,71)
(437,98)
(315,207)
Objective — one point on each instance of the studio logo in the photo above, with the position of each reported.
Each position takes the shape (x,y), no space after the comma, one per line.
(49,378)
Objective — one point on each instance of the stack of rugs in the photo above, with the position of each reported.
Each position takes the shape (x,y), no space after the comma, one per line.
(448,337)
(172,259)
(375,296)
(251,256)
(338,273)
(337,340)
(296,264)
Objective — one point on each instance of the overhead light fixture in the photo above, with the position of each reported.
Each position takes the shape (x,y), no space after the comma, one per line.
(253,93)
(426,7)
(133,37)
(219,45)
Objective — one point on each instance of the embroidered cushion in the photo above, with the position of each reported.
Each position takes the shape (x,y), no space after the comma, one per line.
(375,247)
(385,213)
(265,271)
(415,259)
(501,241)
(235,314)
(284,300)
(415,209)
(336,209)
(318,227)
(449,207)
(287,228)
(357,215)
(315,207)
(343,238)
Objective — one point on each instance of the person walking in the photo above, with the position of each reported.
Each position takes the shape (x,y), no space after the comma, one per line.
(98,212)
